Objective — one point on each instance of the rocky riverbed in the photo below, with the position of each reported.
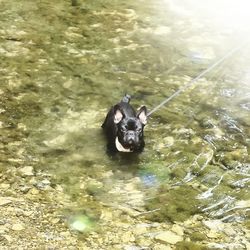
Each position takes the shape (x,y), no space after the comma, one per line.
(35,214)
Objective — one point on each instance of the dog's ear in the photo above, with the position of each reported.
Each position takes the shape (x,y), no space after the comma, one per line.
(118,115)
(142,115)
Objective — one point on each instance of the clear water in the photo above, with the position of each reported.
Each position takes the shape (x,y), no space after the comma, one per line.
(64,66)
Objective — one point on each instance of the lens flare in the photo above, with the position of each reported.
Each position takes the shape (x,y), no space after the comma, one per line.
(222,14)
(80,223)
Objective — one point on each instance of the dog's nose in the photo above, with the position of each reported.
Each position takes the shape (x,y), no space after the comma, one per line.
(130,137)
(130,141)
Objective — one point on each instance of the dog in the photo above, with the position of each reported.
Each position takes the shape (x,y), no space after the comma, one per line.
(124,126)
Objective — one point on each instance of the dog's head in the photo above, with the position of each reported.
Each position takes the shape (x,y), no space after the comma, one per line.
(130,130)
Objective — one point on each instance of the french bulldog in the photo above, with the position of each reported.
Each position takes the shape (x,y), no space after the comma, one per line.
(124,126)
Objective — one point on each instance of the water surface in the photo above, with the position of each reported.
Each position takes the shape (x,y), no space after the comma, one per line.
(62,68)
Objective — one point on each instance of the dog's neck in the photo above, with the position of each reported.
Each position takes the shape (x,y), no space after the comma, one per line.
(119,146)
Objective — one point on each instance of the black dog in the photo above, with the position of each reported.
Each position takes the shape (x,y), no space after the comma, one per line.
(124,127)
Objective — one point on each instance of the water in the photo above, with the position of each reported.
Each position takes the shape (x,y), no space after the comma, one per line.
(62,67)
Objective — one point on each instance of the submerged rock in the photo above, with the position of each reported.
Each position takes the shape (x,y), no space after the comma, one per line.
(176,204)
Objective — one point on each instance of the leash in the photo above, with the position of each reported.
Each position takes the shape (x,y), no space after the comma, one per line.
(192,81)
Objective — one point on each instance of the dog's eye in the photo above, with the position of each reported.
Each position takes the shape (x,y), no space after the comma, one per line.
(125,128)
(138,130)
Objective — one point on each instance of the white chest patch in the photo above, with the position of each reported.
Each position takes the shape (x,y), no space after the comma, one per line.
(119,146)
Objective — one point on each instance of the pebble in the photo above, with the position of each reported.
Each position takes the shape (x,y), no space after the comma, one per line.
(25,189)
(107,174)
(55,220)
(17,227)
(168,141)
(3,229)
(243,204)
(215,225)
(2,222)
(178,230)
(229,231)
(26,171)
(127,237)
(212,235)
(4,201)
(107,216)
(33,191)
(247,245)
(65,234)
(43,185)
(4,186)
(143,241)
(27,213)
(139,230)
(168,237)
(7,237)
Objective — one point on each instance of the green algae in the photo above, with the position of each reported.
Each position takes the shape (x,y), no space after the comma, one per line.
(198,236)
(187,245)
(175,204)
(157,169)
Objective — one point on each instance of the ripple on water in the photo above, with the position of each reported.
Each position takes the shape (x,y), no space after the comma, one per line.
(245,106)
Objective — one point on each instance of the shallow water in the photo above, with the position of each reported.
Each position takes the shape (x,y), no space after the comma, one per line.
(63,66)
